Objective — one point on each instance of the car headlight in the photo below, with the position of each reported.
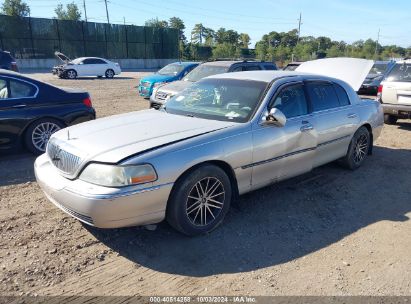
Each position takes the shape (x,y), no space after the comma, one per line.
(117,175)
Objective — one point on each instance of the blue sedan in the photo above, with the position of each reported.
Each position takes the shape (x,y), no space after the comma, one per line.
(172,72)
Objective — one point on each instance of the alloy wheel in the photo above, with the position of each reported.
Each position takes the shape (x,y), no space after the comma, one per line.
(205,201)
(109,74)
(41,134)
(71,74)
(360,148)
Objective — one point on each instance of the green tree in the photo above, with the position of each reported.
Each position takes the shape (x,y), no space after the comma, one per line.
(199,33)
(155,22)
(71,12)
(16,8)
(209,35)
(244,40)
(261,48)
(178,23)
(226,50)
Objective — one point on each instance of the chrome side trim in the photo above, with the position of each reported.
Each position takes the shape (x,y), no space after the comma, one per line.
(334,140)
(277,158)
(293,153)
(119,194)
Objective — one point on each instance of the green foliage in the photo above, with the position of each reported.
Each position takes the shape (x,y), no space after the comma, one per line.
(244,40)
(71,12)
(177,23)
(226,50)
(15,8)
(155,22)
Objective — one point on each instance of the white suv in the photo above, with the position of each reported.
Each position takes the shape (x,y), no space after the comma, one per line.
(394,93)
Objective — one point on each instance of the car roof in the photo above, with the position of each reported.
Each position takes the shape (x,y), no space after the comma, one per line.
(228,63)
(10,73)
(82,58)
(185,63)
(264,76)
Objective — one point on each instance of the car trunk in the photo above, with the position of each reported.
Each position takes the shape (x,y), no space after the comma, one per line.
(351,70)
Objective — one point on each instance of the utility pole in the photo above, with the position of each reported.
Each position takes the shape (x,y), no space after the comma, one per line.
(376,44)
(299,28)
(85,10)
(108,18)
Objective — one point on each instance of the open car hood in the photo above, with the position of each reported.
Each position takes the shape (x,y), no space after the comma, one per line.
(62,57)
(351,70)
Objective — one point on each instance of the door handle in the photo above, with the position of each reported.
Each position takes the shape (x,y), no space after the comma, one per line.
(306,127)
(352,115)
(19,106)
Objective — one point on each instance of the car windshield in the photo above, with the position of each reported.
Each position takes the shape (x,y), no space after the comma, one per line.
(203,71)
(378,68)
(218,99)
(171,69)
(77,60)
(401,72)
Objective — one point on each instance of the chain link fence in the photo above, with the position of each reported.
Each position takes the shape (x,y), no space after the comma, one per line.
(39,38)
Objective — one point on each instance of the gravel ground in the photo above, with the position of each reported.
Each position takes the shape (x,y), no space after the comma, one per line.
(328,232)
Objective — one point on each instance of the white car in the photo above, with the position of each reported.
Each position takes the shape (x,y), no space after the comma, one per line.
(85,66)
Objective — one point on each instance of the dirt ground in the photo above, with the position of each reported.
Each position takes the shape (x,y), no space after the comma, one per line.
(328,232)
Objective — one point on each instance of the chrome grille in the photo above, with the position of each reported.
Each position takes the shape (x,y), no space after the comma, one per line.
(161,95)
(62,160)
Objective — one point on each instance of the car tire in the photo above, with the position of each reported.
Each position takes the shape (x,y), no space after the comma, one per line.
(109,73)
(38,134)
(390,119)
(199,201)
(71,74)
(358,149)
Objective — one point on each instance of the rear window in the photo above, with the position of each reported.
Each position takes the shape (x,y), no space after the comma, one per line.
(401,73)
(342,95)
(322,96)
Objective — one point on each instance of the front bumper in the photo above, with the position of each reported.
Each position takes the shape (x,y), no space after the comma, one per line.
(102,207)
(399,110)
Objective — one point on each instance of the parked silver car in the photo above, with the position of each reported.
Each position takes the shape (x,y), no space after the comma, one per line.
(223,136)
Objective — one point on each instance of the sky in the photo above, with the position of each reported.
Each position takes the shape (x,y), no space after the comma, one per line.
(347,20)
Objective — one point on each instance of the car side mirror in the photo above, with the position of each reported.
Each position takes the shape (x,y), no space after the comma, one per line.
(275,117)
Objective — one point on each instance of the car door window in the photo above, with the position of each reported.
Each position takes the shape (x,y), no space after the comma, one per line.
(252,68)
(237,69)
(322,96)
(19,89)
(269,67)
(98,61)
(4,90)
(291,101)
(342,95)
(87,61)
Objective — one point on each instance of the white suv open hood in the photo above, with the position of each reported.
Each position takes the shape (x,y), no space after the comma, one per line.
(351,70)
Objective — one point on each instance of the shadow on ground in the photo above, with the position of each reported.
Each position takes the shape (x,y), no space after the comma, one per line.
(16,168)
(279,223)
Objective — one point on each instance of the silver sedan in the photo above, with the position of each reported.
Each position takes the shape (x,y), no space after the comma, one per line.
(221,137)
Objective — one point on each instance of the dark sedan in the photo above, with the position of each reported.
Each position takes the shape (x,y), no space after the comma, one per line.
(31,110)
